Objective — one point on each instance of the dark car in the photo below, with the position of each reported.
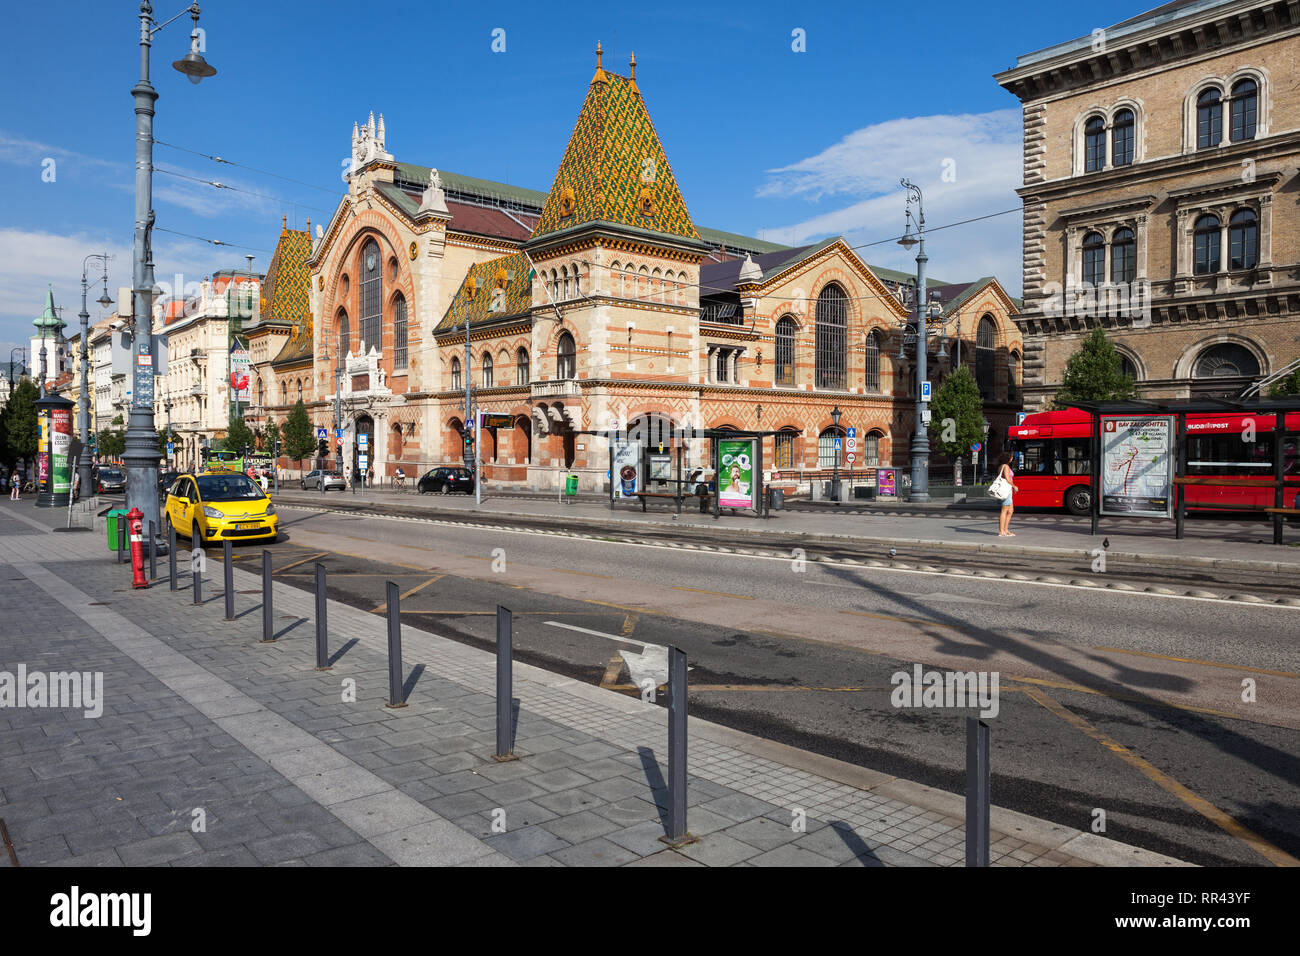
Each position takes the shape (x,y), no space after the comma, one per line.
(446,480)
(110,481)
(165,479)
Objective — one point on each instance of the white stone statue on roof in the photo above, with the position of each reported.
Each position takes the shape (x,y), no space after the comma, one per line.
(434,200)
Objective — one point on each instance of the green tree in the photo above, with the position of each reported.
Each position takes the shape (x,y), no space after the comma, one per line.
(299,439)
(111,442)
(271,436)
(1094,374)
(238,435)
(958,412)
(23,430)
(1286,386)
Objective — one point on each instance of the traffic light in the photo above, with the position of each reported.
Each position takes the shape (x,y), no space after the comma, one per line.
(322,449)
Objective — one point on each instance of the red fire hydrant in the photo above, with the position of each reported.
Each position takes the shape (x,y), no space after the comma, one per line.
(135,519)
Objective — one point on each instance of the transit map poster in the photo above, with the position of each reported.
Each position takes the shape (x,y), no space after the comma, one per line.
(1137,466)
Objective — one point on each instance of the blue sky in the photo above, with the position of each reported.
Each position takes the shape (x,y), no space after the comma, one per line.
(790,146)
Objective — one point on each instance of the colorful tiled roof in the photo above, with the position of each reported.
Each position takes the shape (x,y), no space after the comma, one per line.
(288,282)
(614,169)
(478,298)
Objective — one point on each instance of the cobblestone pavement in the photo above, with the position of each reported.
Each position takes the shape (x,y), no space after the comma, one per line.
(215,749)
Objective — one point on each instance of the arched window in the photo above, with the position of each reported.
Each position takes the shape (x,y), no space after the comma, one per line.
(487,370)
(871,361)
(564,281)
(521,366)
(832,323)
(871,449)
(566,365)
(284,393)
(1121,138)
(986,341)
(300,390)
(1243,110)
(1243,240)
(1013,376)
(785,329)
(455,374)
(372,297)
(1094,144)
(1127,366)
(259,391)
(785,448)
(345,333)
(1123,256)
(1205,245)
(1227,360)
(1094,259)
(1209,118)
(399,332)
(828,456)
(577,285)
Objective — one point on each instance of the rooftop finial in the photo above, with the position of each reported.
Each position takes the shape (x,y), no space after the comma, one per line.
(632,63)
(598,52)
(284,221)
(599,76)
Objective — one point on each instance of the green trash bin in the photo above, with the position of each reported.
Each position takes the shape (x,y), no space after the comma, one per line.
(113,516)
(571,485)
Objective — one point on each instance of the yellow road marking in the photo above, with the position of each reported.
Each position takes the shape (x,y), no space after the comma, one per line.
(1192,660)
(1161,779)
(902,620)
(612,670)
(738,597)
(629,624)
(1129,698)
(419,587)
(310,557)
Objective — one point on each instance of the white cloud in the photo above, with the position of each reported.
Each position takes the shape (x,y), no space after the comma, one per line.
(967,165)
(17,151)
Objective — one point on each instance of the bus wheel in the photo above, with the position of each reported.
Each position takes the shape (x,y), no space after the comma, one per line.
(1078,500)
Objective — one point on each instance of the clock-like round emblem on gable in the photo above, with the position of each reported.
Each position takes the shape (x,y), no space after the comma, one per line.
(370,262)
(414,250)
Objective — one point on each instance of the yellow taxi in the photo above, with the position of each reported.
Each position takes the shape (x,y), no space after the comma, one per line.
(219,504)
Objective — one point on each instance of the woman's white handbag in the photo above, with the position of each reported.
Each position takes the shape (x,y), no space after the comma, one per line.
(1000,488)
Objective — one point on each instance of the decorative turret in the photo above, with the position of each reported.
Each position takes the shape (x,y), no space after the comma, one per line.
(750,272)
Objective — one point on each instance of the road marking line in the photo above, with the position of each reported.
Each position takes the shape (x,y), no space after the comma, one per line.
(902,620)
(587,630)
(419,587)
(586,574)
(1192,660)
(609,680)
(1133,698)
(738,597)
(310,557)
(1161,779)
(629,624)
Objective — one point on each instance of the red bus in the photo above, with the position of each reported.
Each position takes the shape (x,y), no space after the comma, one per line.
(1053,469)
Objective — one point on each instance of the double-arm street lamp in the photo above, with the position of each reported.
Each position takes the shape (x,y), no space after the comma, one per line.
(141,454)
(83,400)
(920,436)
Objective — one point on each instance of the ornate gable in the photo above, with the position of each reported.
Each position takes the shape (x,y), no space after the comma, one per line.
(615,169)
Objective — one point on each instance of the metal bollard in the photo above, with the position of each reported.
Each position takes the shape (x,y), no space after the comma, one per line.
(677,834)
(322,625)
(268,606)
(977,792)
(171,554)
(505,684)
(153,552)
(396,696)
(121,538)
(229,570)
(197,587)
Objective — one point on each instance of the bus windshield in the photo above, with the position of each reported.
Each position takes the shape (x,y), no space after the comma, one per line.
(1051,456)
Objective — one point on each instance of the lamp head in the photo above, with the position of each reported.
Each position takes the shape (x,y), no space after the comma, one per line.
(194,67)
(909,236)
(835,415)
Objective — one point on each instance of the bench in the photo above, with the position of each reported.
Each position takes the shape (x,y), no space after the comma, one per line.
(1282,511)
(678,497)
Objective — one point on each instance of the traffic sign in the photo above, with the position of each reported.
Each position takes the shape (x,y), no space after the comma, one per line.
(170,448)
(837,444)
(851,457)
(320,433)
(339,441)
(338,433)
(363,439)
(852,432)
(1020,417)
(925,391)
(976,447)
(852,443)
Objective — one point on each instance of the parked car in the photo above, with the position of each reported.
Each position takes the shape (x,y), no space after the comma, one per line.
(446,480)
(110,481)
(331,479)
(219,504)
(165,480)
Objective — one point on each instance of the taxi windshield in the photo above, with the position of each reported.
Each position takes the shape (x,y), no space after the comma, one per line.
(228,488)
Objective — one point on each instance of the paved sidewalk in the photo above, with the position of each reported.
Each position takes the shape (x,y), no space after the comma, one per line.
(1238,545)
(200,721)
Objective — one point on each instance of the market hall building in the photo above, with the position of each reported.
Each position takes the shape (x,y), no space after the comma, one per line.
(599,305)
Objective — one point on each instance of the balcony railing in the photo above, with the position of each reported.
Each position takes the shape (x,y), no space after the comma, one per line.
(564,388)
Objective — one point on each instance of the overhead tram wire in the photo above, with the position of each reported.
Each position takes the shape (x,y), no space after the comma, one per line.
(253,169)
(239,189)
(214,242)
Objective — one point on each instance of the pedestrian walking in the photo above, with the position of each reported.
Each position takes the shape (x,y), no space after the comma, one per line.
(1005,483)
(15,487)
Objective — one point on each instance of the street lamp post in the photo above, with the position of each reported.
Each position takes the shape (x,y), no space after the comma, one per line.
(83,401)
(835,462)
(21,350)
(141,454)
(920,436)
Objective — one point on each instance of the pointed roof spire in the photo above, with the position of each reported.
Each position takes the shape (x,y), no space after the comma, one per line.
(49,319)
(750,271)
(284,221)
(599,76)
(631,80)
(371,125)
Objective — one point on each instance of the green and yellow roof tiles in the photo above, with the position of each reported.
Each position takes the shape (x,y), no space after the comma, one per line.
(615,170)
(289,278)
(492,290)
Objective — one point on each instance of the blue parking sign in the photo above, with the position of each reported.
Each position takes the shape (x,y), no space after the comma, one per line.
(925,391)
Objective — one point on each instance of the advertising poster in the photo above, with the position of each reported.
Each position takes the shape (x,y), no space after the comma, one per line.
(736,473)
(60,445)
(885,483)
(626,476)
(661,467)
(239,365)
(1137,466)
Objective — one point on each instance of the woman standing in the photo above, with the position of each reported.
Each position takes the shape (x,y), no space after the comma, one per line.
(1005,473)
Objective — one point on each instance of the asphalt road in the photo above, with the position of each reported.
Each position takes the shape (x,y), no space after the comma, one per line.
(1126,702)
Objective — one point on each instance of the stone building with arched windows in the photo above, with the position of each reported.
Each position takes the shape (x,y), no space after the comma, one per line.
(600,304)
(1161,174)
